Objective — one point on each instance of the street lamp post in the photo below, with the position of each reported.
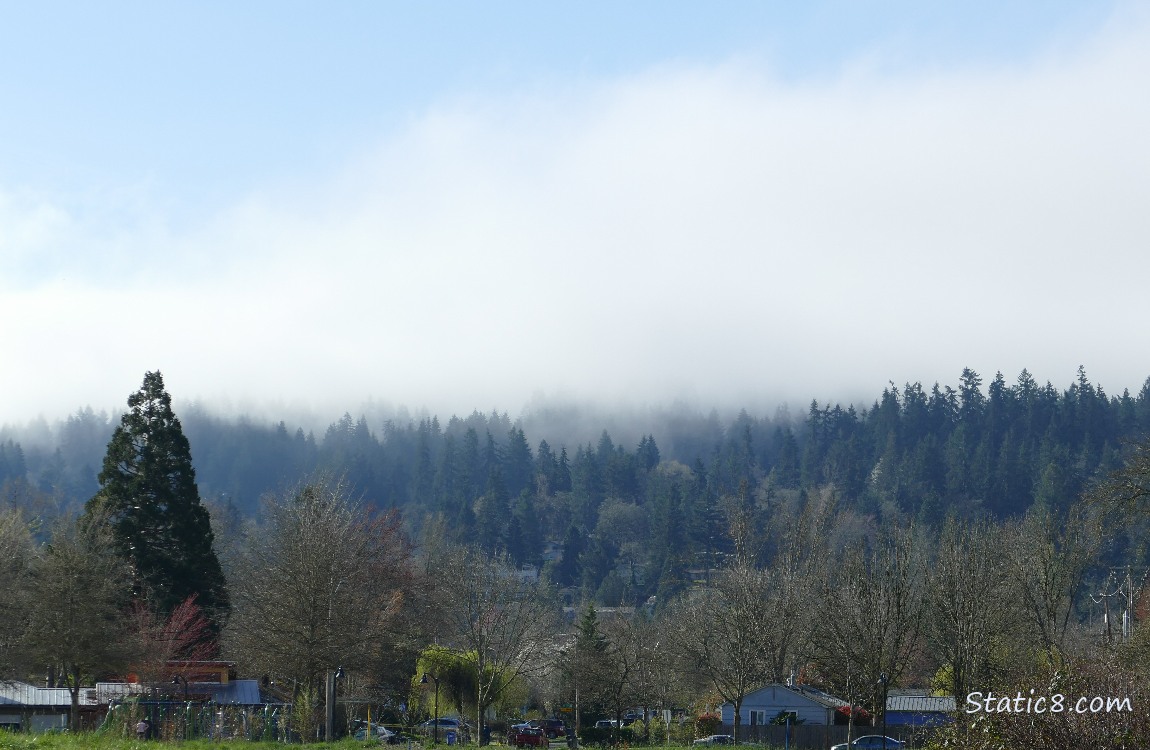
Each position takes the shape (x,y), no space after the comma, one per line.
(882,678)
(329,725)
(435,718)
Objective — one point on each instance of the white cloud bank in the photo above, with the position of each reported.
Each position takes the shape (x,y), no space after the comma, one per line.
(693,230)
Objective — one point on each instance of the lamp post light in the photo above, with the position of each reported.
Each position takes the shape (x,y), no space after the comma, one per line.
(435,719)
(329,725)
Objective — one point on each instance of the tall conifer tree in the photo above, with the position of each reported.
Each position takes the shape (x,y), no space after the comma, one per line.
(148,494)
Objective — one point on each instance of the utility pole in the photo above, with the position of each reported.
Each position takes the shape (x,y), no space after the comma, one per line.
(329,724)
(1122,586)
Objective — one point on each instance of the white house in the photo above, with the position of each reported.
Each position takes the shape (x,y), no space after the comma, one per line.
(806,704)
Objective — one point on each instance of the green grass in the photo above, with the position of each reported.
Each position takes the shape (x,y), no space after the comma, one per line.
(93,741)
(96,741)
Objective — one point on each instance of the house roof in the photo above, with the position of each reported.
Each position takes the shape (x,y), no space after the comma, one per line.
(241,692)
(921,704)
(818,697)
(23,694)
(12,694)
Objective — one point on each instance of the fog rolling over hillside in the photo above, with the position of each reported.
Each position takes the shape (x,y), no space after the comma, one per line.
(776,202)
(425,463)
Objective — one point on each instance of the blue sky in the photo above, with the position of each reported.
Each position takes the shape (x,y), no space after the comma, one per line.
(470,205)
(203,99)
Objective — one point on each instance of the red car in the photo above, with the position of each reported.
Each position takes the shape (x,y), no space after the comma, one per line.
(523,736)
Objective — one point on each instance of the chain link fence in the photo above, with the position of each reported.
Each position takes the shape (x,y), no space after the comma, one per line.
(175,720)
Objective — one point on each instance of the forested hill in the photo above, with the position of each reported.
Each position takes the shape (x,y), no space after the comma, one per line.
(651,506)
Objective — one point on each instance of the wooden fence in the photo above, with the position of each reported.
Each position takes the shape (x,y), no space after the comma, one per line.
(817,737)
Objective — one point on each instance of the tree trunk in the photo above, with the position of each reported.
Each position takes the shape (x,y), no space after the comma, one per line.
(74,692)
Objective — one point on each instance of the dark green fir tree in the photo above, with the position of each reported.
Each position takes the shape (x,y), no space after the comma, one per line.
(149,496)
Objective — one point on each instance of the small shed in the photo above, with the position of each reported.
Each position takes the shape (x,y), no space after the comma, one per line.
(919,710)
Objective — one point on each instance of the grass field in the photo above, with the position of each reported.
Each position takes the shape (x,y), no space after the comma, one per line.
(93,741)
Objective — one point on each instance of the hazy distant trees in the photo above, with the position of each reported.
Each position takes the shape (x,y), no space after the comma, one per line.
(934,537)
(148,494)
(984,445)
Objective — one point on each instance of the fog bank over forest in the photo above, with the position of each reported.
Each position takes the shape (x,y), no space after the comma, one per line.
(562,418)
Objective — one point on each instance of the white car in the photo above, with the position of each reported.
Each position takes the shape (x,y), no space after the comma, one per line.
(378,734)
(871,742)
(715,739)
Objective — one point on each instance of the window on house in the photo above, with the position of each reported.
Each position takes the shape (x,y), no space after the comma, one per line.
(758,718)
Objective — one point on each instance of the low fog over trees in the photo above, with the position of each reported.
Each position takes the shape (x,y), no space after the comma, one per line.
(975,450)
(949,540)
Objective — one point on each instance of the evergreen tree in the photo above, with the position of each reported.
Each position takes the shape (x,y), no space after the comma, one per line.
(491,514)
(524,532)
(563,473)
(546,469)
(519,465)
(567,570)
(148,494)
(786,469)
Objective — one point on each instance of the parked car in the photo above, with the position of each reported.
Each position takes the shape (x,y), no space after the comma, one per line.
(378,733)
(606,724)
(871,742)
(445,722)
(553,728)
(527,736)
(715,739)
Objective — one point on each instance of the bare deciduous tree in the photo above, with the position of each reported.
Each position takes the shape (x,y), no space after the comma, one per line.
(15,552)
(1127,491)
(168,646)
(795,575)
(501,621)
(321,585)
(872,621)
(1049,558)
(78,590)
(969,604)
(724,632)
